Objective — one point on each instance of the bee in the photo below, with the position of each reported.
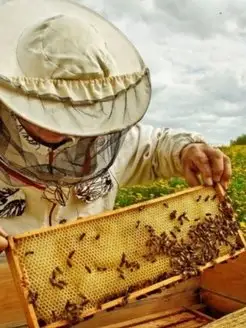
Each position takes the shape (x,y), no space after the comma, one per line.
(166,205)
(173,234)
(87,269)
(58,270)
(62,282)
(177,228)
(82,296)
(59,286)
(208,214)
(181,222)
(62,221)
(68,305)
(52,282)
(128,265)
(69,263)
(199,198)
(122,276)
(84,302)
(123,260)
(137,224)
(32,297)
(24,283)
(213,198)
(173,215)
(207,198)
(101,269)
(29,253)
(197,219)
(110,309)
(53,275)
(97,236)
(141,208)
(180,217)
(70,255)
(138,298)
(99,306)
(42,323)
(54,315)
(124,300)
(81,237)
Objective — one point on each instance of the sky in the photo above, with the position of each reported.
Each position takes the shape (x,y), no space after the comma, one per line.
(196,52)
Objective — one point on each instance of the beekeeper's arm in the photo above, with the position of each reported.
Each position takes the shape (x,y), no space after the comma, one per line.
(150,153)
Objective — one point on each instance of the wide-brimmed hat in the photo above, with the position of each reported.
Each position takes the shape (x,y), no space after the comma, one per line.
(65,68)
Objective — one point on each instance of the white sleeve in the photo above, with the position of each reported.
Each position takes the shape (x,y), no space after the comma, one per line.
(150,153)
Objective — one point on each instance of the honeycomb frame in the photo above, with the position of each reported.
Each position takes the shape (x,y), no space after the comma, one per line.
(126,228)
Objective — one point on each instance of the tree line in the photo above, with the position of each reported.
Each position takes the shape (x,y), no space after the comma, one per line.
(241,140)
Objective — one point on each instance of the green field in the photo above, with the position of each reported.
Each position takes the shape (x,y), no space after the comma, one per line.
(237,189)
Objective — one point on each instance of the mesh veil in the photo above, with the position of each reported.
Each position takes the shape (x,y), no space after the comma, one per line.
(77,161)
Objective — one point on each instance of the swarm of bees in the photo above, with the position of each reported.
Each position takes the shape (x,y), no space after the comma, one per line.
(71,313)
(202,246)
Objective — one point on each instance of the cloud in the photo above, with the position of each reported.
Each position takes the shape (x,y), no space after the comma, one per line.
(196,51)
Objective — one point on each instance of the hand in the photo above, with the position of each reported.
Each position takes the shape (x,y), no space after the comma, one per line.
(3,240)
(213,165)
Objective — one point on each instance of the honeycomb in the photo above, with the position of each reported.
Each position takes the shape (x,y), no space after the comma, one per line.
(99,242)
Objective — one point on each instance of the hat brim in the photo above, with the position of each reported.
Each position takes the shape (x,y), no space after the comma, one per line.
(114,114)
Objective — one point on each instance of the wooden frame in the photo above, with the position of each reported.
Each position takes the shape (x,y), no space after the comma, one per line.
(184,294)
(23,291)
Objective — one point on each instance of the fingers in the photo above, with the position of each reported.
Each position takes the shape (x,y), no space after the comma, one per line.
(201,161)
(221,167)
(3,243)
(213,165)
(227,173)
(3,233)
(216,158)
(3,240)
(191,177)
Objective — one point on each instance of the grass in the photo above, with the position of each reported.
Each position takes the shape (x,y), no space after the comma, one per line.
(237,189)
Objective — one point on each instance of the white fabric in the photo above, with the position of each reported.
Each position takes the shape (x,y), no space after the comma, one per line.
(67,69)
(147,154)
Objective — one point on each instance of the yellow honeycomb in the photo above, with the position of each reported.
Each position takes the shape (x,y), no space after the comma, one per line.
(106,237)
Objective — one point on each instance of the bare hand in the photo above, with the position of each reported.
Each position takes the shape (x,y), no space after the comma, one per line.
(213,165)
(3,240)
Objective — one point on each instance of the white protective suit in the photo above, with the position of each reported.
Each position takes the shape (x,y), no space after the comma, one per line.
(147,154)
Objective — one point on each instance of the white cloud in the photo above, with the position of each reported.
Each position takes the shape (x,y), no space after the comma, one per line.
(196,51)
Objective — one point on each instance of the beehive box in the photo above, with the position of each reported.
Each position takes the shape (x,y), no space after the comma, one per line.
(70,272)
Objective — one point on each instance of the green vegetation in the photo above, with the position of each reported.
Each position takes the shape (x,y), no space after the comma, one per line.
(237,189)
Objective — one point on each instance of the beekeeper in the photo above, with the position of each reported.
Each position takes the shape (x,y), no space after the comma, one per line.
(73,90)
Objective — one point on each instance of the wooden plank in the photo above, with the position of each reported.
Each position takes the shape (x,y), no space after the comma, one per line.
(12,315)
(189,324)
(151,318)
(167,321)
(13,325)
(233,320)
(179,317)
(21,287)
(175,315)
(201,315)
(183,294)
(223,288)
